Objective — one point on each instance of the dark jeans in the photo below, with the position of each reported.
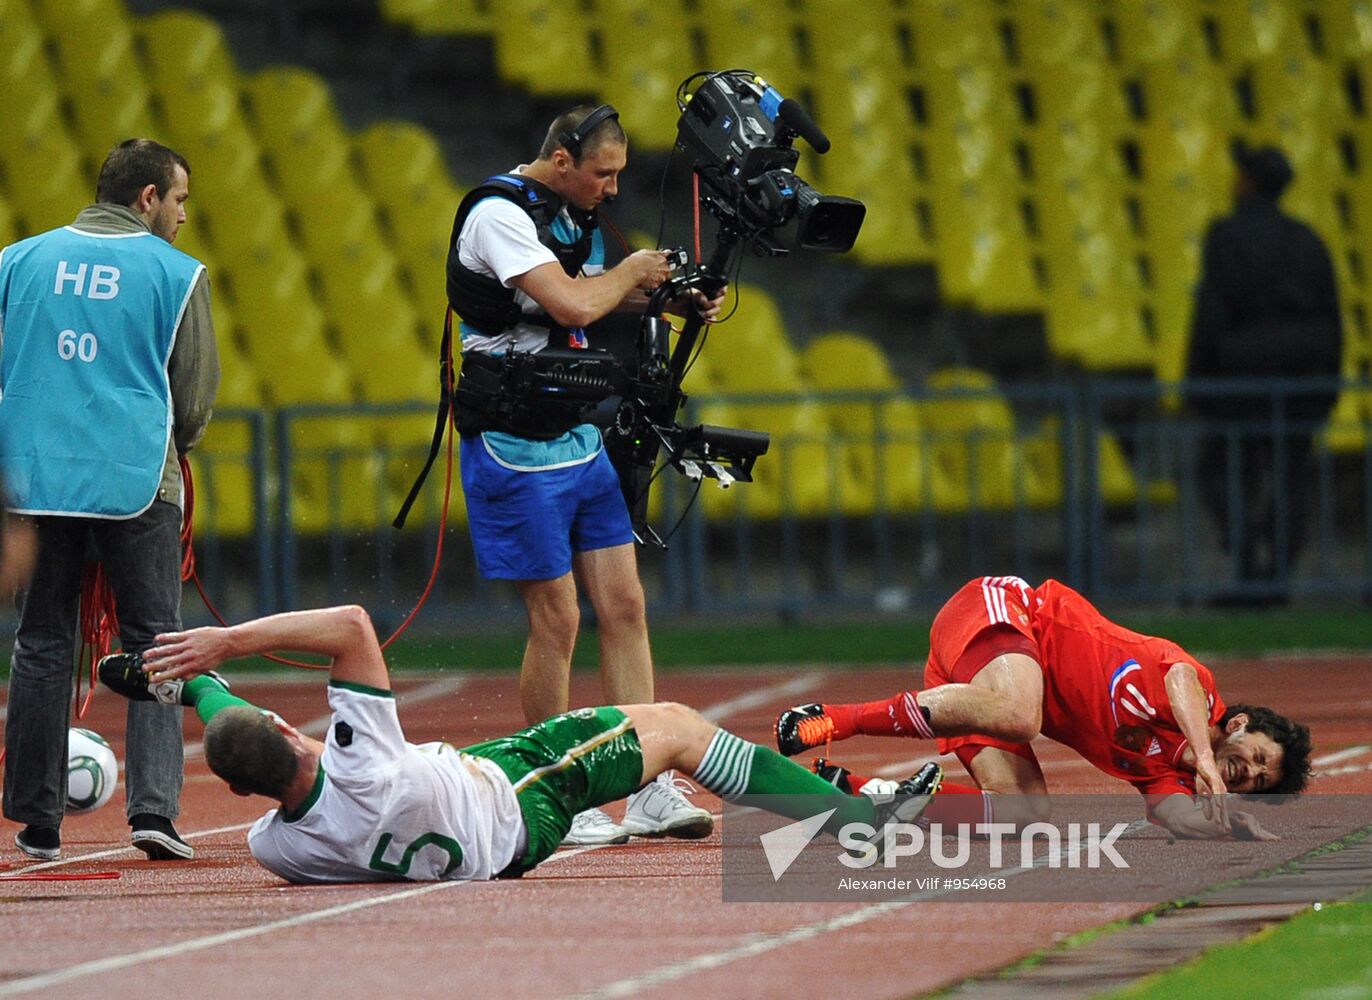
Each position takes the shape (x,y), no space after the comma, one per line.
(142,559)
(1266,496)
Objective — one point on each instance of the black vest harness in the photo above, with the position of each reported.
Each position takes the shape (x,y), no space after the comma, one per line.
(491,393)
(481,301)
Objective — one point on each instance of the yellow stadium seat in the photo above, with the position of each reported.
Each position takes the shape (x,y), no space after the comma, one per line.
(1171,307)
(243,241)
(103,78)
(395,158)
(882,436)
(338,215)
(60,17)
(839,361)
(891,232)
(1077,91)
(755,329)
(1155,31)
(1185,143)
(401,374)
(289,103)
(806,471)
(186,52)
(418,226)
(336,477)
(366,305)
(1056,34)
(224,498)
(1252,29)
(440,17)
(759,37)
(45,179)
(301,372)
(859,45)
(211,107)
(277,322)
(9,224)
(953,34)
(1041,462)
(965,92)
(982,259)
(226,169)
(544,45)
(1074,197)
(1296,87)
(970,432)
(1118,488)
(1100,329)
(647,60)
(1349,429)
(28,90)
(221,474)
(1190,88)
(1346,26)
(193,239)
(238,382)
(295,118)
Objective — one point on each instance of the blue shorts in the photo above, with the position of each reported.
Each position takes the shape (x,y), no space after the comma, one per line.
(526,524)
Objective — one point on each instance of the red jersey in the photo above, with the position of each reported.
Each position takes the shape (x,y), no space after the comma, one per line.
(1104,686)
(1105,695)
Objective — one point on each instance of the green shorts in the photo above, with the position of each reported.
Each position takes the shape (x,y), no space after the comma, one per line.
(563,766)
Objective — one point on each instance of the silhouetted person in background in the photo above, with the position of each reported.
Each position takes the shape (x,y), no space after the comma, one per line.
(1266,307)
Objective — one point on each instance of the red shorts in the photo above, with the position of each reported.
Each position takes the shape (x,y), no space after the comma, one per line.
(985,619)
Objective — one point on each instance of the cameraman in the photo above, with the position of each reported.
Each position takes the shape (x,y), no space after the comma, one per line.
(526,270)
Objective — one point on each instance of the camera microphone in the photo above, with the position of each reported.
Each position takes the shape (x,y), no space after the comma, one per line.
(796,118)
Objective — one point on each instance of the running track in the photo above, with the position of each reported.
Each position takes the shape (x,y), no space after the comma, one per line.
(642,920)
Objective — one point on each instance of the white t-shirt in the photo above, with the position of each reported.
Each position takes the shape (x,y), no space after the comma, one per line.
(499,240)
(387,810)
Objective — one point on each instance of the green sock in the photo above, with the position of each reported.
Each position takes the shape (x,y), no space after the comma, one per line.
(209,697)
(733,767)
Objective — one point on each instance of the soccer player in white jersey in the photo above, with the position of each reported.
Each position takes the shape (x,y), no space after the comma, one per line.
(366,805)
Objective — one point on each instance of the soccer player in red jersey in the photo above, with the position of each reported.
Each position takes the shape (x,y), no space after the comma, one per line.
(1008,661)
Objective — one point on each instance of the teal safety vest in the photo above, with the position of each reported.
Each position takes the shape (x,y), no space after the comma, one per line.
(85,402)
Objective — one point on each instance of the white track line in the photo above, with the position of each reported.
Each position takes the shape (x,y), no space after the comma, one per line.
(781,691)
(761,943)
(1339,756)
(177,949)
(115,851)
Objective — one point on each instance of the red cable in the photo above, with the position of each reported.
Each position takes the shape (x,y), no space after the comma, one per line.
(695,211)
(188,571)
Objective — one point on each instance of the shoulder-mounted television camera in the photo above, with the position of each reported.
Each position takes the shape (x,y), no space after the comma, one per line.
(738,131)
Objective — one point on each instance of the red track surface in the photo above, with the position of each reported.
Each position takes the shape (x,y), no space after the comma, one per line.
(641,920)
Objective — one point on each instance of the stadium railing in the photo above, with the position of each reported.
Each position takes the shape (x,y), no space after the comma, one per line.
(1098,483)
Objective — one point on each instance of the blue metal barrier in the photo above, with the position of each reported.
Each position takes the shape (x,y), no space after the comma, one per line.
(873,500)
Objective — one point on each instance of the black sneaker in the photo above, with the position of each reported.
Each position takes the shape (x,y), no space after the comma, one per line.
(803,728)
(123,674)
(41,842)
(839,777)
(911,798)
(156,837)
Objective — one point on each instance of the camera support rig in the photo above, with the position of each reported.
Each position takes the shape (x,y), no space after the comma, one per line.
(645,424)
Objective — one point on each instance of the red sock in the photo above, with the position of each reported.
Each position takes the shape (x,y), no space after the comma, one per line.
(956,805)
(896,716)
(856,781)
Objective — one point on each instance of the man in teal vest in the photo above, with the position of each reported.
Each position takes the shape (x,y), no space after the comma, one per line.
(108,371)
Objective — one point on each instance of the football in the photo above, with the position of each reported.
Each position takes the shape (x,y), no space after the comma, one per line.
(92,771)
